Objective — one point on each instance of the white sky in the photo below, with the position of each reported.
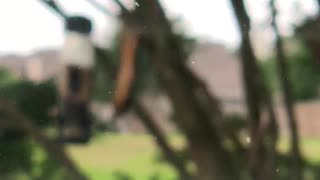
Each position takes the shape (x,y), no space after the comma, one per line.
(27,26)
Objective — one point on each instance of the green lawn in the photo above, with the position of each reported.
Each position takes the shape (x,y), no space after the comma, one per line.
(310,148)
(117,155)
(113,156)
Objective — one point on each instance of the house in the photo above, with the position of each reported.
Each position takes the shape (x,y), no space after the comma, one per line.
(36,67)
(212,62)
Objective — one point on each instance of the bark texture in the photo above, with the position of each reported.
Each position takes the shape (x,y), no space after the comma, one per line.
(287,97)
(263,125)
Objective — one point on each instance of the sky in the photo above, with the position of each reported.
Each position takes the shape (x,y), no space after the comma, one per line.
(27,25)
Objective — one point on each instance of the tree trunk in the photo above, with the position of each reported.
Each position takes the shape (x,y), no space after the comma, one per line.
(287,98)
(259,102)
(104,60)
(205,144)
(188,95)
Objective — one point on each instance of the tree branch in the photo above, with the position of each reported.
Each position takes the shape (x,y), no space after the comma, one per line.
(283,73)
(167,150)
(100,8)
(55,7)
(122,7)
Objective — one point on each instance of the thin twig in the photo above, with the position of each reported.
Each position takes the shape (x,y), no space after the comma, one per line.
(55,7)
(101,8)
(122,7)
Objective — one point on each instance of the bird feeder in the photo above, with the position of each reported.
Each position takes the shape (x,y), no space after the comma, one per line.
(75,81)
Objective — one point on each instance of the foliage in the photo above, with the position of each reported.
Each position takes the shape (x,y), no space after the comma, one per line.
(34,100)
(46,167)
(103,85)
(304,75)
(6,78)
(15,153)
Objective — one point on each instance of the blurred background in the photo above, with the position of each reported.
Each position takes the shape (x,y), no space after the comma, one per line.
(160,90)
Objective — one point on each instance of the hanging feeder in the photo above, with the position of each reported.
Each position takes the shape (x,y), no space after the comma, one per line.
(75,81)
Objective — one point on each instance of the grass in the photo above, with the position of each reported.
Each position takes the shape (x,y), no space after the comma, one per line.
(310,148)
(114,156)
